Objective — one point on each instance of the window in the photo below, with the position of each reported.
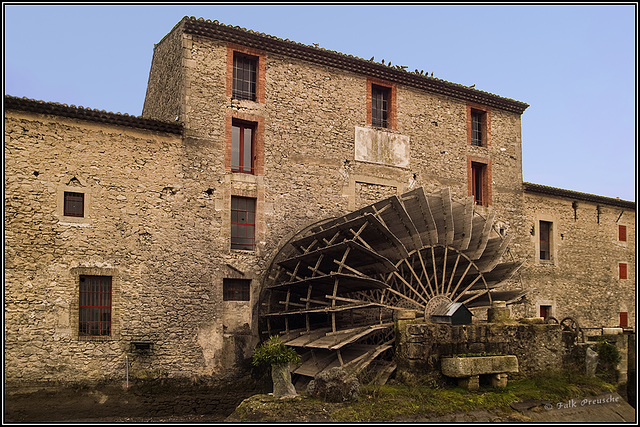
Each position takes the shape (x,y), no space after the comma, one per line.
(244,77)
(479,183)
(236,289)
(477,128)
(95,306)
(379,106)
(545,311)
(622,270)
(478,125)
(624,319)
(242,152)
(622,233)
(73,204)
(243,223)
(545,240)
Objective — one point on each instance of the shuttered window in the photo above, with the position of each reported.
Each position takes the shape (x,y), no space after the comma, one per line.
(624,321)
(622,233)
(73,204)
(622,270)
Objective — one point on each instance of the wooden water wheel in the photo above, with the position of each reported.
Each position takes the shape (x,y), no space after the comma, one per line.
(334,288)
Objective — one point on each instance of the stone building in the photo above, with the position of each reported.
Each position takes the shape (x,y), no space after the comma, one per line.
(146,240)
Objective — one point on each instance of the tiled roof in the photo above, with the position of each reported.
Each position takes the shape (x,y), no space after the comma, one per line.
(265,42)
(552,191)
(101,116)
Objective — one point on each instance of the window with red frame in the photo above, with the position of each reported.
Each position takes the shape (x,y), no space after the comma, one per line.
(73,204)
(380,106)
(242,147)
(236,289)
(477,131)
(622,270)
(622,233)
(479,183)
(243,223)
(95,306)
(244,77)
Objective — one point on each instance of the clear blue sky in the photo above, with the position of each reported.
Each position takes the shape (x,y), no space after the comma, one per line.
(575,65)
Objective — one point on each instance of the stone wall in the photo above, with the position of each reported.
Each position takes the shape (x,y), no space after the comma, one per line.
(148,224)
(158,208)
(581,279)
(539,347)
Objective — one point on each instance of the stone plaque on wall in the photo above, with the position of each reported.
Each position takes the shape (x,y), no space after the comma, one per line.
(379,146)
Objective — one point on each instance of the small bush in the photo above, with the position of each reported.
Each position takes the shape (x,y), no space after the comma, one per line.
(608,353)
(274,352)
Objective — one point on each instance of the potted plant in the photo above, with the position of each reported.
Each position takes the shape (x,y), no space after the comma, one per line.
(274,353)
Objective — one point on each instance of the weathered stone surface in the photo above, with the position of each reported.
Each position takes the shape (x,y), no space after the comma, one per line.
(334,385)
(458,367)
(282,385)
(158,215)
(421,346)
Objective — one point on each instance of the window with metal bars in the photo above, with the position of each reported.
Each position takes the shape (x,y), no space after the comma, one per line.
(242,147)
(236,289)
(244,77)
(94,316)
(379,106)
(477,118)
(545,240)
(73,204)
(243,223)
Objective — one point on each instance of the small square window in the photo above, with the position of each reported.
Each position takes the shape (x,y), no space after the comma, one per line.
(73,204)
(545,311)
(245,71)
(236,289)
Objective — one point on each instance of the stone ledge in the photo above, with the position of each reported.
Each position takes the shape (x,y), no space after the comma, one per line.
(460,367)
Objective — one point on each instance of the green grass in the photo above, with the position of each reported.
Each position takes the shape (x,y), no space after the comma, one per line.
(393,402)
(389,402)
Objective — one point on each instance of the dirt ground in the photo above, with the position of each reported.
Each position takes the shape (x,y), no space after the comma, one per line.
(196,404)
(215,405)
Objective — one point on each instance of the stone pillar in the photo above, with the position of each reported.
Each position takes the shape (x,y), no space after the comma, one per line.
(498,312)
(282,385)
(471,383)
(499,380)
